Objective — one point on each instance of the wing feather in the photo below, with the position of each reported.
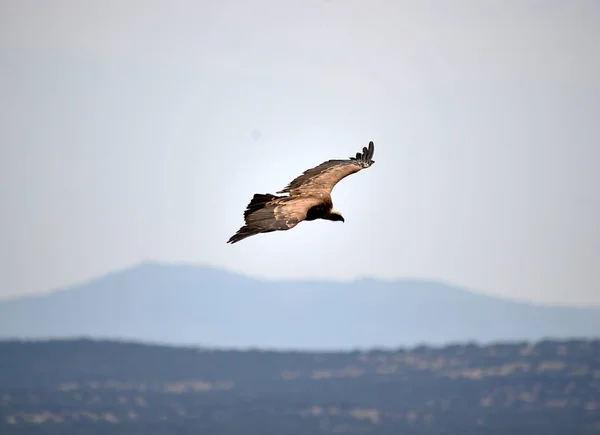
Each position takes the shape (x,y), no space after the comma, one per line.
(267,213)
(326,175)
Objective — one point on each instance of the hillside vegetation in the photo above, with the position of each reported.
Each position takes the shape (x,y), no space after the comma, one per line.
(100,387)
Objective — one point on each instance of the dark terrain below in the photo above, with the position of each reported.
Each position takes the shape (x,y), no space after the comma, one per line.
(100,387)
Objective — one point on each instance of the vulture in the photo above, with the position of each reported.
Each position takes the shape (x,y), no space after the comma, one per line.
(308,199)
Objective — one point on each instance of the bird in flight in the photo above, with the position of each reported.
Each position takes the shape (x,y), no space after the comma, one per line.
(309,198)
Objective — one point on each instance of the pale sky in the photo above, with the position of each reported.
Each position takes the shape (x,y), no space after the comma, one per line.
(126,135)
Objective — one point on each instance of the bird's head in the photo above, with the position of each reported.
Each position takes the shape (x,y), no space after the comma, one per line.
(336,216)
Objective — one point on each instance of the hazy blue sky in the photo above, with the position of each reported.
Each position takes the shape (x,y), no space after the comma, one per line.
(126,135)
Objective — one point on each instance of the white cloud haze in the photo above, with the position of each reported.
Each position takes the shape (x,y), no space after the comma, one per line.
(126,134)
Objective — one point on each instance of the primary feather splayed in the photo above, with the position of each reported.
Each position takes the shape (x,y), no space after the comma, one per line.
(309,198)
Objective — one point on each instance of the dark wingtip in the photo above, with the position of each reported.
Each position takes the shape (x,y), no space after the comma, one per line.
(239,235)
(236,238)
(367,153)
(371,150)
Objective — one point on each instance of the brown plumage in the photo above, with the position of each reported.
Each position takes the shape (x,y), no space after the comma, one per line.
(309,198)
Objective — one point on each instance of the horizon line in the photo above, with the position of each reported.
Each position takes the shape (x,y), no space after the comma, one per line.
(208,348)
(206,265)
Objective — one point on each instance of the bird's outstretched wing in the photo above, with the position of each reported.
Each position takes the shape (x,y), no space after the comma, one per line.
(267,213)
(325,176)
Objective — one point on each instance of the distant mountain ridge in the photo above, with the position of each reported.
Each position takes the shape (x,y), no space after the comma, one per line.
(199,305)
